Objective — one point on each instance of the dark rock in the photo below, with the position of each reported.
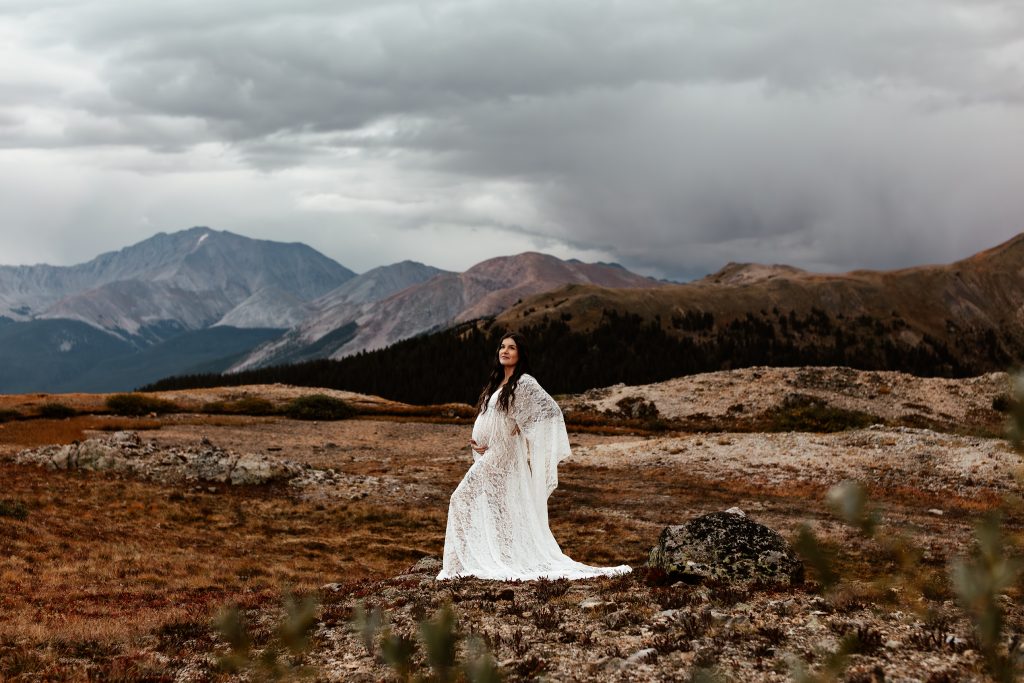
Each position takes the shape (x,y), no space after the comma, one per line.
(726,546)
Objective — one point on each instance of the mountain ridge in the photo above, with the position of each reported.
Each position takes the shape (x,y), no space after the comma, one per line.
(944,309)
(484,289)
(954,320)
(196,269)
(444,299)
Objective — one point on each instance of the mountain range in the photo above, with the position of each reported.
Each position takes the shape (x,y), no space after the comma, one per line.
(346,324)
(203,300)
(190,279)
(954,320)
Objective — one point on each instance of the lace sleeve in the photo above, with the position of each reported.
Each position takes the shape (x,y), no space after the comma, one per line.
(540,420)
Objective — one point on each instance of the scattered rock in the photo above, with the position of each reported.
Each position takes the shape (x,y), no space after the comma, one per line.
(426,565)
(820,604)
(125,453)
(735,396)
(648,654)
(595,604)
(727,547)
(611,664)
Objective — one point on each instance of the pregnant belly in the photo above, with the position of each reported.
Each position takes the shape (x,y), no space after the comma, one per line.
(481,431)
(479,435)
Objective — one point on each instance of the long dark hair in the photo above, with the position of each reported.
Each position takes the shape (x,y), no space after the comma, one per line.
(508,396)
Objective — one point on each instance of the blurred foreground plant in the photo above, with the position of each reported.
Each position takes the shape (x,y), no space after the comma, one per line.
(292,635)
(439,638)
(849,501)
(978,581)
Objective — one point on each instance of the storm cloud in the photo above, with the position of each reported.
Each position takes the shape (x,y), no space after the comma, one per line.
(669,136)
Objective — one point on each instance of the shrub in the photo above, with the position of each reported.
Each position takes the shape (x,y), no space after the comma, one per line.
(801,413)
(9,415)
(56,411)
(637,407)
(249,405)
(253,405)
(548,589)
(318,407)
(546,618)
(860,638)
(1002,403)
(138,404)
(14,509)
(656,425)
(174,636)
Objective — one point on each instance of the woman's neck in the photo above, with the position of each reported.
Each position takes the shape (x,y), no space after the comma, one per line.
(508,373)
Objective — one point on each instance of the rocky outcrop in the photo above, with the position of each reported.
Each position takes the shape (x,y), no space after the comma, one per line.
(755,398)
(728,547)
(126,453)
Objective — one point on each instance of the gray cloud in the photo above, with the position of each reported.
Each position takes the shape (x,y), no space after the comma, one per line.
(670,136)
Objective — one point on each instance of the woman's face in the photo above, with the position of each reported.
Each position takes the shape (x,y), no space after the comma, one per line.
(508,353)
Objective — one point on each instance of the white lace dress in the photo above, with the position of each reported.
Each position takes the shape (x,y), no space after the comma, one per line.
(498,515)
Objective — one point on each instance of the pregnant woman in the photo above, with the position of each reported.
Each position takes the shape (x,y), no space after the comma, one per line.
(498,515)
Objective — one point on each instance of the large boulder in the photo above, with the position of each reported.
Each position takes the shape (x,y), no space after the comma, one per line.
(726,546)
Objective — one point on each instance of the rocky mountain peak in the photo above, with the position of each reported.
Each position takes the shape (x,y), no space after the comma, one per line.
(734,273)
(191,278)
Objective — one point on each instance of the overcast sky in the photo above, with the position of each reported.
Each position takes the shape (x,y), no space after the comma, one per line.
(671,136)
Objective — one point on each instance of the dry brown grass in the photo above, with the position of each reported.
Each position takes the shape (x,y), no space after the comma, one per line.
(28,404)
(103,572)
(110,560)
(41,432)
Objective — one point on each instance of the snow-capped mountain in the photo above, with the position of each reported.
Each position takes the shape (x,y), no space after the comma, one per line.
(185,280)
